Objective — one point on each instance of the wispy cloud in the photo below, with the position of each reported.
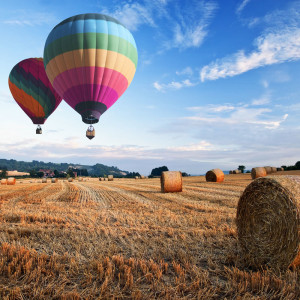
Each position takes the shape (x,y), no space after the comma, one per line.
(264,99)
(190,27)
(134,15)
(272,48)
(186,71)
(30,18)
(241,6)
(185,27)
(238,115)
(174,85)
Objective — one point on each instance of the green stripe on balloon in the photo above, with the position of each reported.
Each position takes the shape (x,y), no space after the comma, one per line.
(90,41)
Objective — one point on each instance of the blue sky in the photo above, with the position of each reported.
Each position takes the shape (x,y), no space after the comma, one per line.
(217,85)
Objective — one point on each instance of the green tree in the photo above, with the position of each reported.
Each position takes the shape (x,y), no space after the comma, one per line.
(32,173)
(158,171)
(40,174)
(56,173)
(3,173)
(297,165)
(241,168)
(70,173)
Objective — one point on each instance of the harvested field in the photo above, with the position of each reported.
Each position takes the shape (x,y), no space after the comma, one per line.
(126,239)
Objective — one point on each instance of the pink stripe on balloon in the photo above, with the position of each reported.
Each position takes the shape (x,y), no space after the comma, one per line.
(38,70)
(93,76)
(85,92)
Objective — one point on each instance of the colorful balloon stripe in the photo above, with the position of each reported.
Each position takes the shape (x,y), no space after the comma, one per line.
(99,76)
(107,95)
(90,41)
(92,26)
(29,102)
(36,89)
(89,16)
(32,89)
(90,58)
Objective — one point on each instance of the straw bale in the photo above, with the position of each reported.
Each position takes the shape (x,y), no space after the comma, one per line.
(274,169)
(54,180)
(268,169)
(236,171)
(80,179)
(44,180)
(70,179)
(3,181)
(230,172)
(258,172)
(11,181)
(215,175)
(110,177)
(171,181)
(137,177)
(268,222)
(142,177)
(101,179)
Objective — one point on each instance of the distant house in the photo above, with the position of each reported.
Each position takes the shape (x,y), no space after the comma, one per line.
(47,173)
(17,173)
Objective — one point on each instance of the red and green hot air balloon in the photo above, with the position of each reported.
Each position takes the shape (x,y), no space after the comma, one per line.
(90,60)
(33,91)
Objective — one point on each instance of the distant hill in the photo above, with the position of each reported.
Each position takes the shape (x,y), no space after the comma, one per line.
(24,166)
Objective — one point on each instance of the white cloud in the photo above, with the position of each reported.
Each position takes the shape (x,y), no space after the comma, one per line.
(186,71)
(134,15)
(174,85)
(201,146)
(212,108)
(190,26)
(238,116)
(265,99)
(29,18)
(272,48)
(241,6)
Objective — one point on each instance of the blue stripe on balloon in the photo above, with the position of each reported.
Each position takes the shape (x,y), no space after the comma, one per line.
(90,25)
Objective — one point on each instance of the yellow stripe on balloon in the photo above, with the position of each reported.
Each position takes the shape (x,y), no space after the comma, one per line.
(27,101)
(90,58)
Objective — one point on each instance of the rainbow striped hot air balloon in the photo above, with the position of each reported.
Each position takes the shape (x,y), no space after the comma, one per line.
(90,60)
(33,91)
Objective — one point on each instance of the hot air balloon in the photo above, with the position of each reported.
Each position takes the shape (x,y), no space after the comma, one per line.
(90,59)
(33,91)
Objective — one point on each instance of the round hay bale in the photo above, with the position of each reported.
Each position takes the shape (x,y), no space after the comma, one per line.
(230,172)
(101,179)
(258,172)
(171,181)
(274,169)
(236,171)
(214,175)
(80,179)
(268,170)
(110,177)
(11,181)
(142,177)
(137,177)
(70,179)
(54,180)
(3,181)
(44,180)
(268,221)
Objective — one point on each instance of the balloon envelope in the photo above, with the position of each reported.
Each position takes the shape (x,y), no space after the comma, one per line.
(90,60)
(32,89)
